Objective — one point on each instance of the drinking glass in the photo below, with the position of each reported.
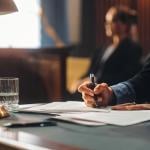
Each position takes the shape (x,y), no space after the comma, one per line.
(9,93)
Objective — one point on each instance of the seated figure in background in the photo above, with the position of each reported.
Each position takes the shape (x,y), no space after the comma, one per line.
(134,90)
(121,59)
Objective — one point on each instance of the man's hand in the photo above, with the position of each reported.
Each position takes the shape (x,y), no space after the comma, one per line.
(103,92)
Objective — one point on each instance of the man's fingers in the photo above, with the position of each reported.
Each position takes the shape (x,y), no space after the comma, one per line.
(100,88)
(89,101)
(83,88)
(87,98)
(91,105)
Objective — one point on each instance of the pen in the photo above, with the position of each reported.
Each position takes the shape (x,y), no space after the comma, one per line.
(92,86)
(31,124)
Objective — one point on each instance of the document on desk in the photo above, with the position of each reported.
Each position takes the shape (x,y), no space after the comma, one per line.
(77,112)
(120,118)
(63,107)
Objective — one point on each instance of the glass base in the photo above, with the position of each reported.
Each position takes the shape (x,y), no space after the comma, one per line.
(12,107)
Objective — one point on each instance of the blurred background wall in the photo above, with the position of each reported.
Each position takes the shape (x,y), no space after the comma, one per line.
(83,22)
(67,22)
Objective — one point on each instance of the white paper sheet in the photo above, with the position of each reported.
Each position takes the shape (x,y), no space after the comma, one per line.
(120,118)
(65,108)
(79,121)
(62,107)
(77,112)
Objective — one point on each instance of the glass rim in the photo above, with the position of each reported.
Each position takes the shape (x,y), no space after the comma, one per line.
(9,78)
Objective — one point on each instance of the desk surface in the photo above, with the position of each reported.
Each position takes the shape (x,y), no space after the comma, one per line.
(70,136)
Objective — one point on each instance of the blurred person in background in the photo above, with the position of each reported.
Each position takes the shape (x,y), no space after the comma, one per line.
(121,59)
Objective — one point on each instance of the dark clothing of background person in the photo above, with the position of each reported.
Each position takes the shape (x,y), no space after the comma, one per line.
(122,64)
(120,60)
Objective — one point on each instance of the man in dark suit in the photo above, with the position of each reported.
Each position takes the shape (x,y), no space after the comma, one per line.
(121,59)
(135,90)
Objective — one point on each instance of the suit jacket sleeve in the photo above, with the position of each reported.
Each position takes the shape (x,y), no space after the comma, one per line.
(141,84)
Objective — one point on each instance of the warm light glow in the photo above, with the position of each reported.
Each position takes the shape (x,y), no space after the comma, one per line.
(21,29)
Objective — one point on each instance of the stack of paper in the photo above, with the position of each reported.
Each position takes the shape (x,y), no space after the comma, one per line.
(120,118)
(77,112)
(62,107)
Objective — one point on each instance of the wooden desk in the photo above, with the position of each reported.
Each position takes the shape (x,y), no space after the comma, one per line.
(15,139)
(10,140)
(70,136)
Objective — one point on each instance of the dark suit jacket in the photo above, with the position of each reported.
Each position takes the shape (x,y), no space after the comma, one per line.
(123,63)
(141,84)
